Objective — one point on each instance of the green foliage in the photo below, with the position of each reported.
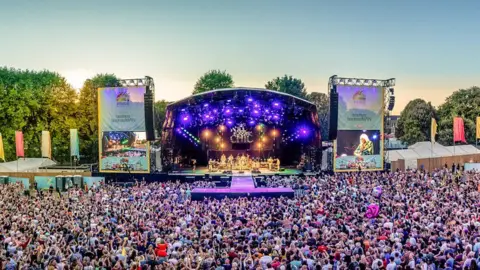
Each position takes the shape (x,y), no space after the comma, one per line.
(160,111)
(464,103)
(288,84)
(213,79)
(415,122)
(88,115)
(34,101)
(322,102)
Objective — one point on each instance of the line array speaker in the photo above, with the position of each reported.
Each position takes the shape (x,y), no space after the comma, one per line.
(149,116)
(333,121)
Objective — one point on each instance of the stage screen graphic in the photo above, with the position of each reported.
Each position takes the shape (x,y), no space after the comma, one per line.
(121,108)
(358,148)
(360,107)
(122,139)
(121,149)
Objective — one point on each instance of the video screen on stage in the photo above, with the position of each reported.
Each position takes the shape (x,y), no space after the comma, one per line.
(121,149)
(122,139)
(359,143)
(360,107)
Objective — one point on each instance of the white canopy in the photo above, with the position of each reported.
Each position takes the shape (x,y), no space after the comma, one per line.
(427,150)
(26,165)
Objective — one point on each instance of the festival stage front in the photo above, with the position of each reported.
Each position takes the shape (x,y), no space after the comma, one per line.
(241,186)
(202,171)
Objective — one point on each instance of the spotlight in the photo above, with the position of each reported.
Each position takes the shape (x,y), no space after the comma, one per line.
(206,133)
(222,128)
(264,139)
(259,127)
(259,145)
(222,145)
(217,139)
(274,133)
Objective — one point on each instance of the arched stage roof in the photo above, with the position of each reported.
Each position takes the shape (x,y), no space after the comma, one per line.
(225,92)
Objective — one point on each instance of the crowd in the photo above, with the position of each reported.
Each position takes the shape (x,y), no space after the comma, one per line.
(425,221)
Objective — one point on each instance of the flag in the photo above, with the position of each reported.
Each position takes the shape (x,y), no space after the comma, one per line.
(478,127)
(2,153)
(46,145)
(458,130)
(19,144)
(433,130)
(74,143)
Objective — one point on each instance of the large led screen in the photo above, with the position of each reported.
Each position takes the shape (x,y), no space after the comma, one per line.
(359,143)
(122,139)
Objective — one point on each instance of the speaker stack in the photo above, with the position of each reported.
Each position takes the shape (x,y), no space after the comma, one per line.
(333,121)
(149,115)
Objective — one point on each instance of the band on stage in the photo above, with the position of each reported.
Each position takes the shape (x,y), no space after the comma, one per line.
(243,162)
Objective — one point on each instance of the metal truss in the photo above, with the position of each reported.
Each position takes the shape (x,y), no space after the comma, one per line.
(334,80)
(147,81)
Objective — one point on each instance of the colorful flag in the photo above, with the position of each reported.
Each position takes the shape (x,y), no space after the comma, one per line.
(74,143)
(2,153)
(46,145)
(478,127)
(19,144)
(433,130)
(458,130)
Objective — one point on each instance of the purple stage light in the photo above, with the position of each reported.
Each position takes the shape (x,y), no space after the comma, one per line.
(256,112)
(249,99)
(276,117)
(229,122)
(276,104)
(205,105)
(251,122)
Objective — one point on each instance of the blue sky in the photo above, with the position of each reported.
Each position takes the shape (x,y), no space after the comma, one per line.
(431,47)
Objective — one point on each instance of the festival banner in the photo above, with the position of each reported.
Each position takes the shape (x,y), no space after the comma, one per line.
(74,143)
(46,145)
(478,127)
(458,130)
(433,130)
(360,107)
(2,152)
(121,109)
(19,144)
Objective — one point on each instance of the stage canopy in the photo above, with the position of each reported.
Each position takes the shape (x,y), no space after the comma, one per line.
(428,150)
(241,119)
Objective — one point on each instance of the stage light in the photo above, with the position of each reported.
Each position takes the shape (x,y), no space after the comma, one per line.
(259,145)
(205,105)
(274,133)
(229,122)
(206,133)
(217,139)
(222,145)
(259,127)
(249,99)
(222,128)
(264,139)
(374,136)
(251,122)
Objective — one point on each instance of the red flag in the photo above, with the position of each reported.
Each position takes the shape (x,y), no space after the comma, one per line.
(19,144)
(458,130)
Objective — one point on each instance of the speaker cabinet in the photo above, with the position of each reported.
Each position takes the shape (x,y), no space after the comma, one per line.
(149,116)
(333,121)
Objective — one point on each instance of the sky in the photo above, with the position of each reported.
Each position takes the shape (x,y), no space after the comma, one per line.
(432,48)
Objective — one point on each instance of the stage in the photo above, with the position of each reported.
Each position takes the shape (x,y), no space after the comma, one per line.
(241,186)
(202,171)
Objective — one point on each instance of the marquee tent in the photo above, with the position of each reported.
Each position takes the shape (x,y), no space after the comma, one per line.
(26,165)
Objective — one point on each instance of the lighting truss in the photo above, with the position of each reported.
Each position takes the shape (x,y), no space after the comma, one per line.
(334,80)
(147,81)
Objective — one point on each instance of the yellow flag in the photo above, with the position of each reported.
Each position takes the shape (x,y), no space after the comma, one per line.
(478,127)
(433,130)
(2,153)
(46,145)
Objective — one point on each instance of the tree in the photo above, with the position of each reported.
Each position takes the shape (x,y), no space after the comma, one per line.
(415,120)
(88,114)
(34,101)
(288,84)
(463,103)
(160,111)
(322,102)
(213,79)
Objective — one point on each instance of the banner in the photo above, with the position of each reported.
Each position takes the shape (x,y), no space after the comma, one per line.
(433,130)
(478,127)
(2,152)
(46,145)
(19,144)
(74,144)
(458,130)
(360,107)
(121,109)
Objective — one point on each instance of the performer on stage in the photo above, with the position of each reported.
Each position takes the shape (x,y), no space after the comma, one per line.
(365,147)
(223,161)
(270,163)
(230,162)
(194,164)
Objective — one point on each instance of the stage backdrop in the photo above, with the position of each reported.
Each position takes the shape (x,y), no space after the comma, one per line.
(359,141)
(122,139)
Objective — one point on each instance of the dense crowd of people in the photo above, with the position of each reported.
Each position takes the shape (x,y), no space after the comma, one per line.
(424,221)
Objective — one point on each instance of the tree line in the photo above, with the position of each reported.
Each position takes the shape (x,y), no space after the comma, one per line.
(33,101)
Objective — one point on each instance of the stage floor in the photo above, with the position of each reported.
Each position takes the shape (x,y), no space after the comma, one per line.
(241,186)
(204,170)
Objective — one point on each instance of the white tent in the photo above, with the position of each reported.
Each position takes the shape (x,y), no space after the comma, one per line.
(26,165)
